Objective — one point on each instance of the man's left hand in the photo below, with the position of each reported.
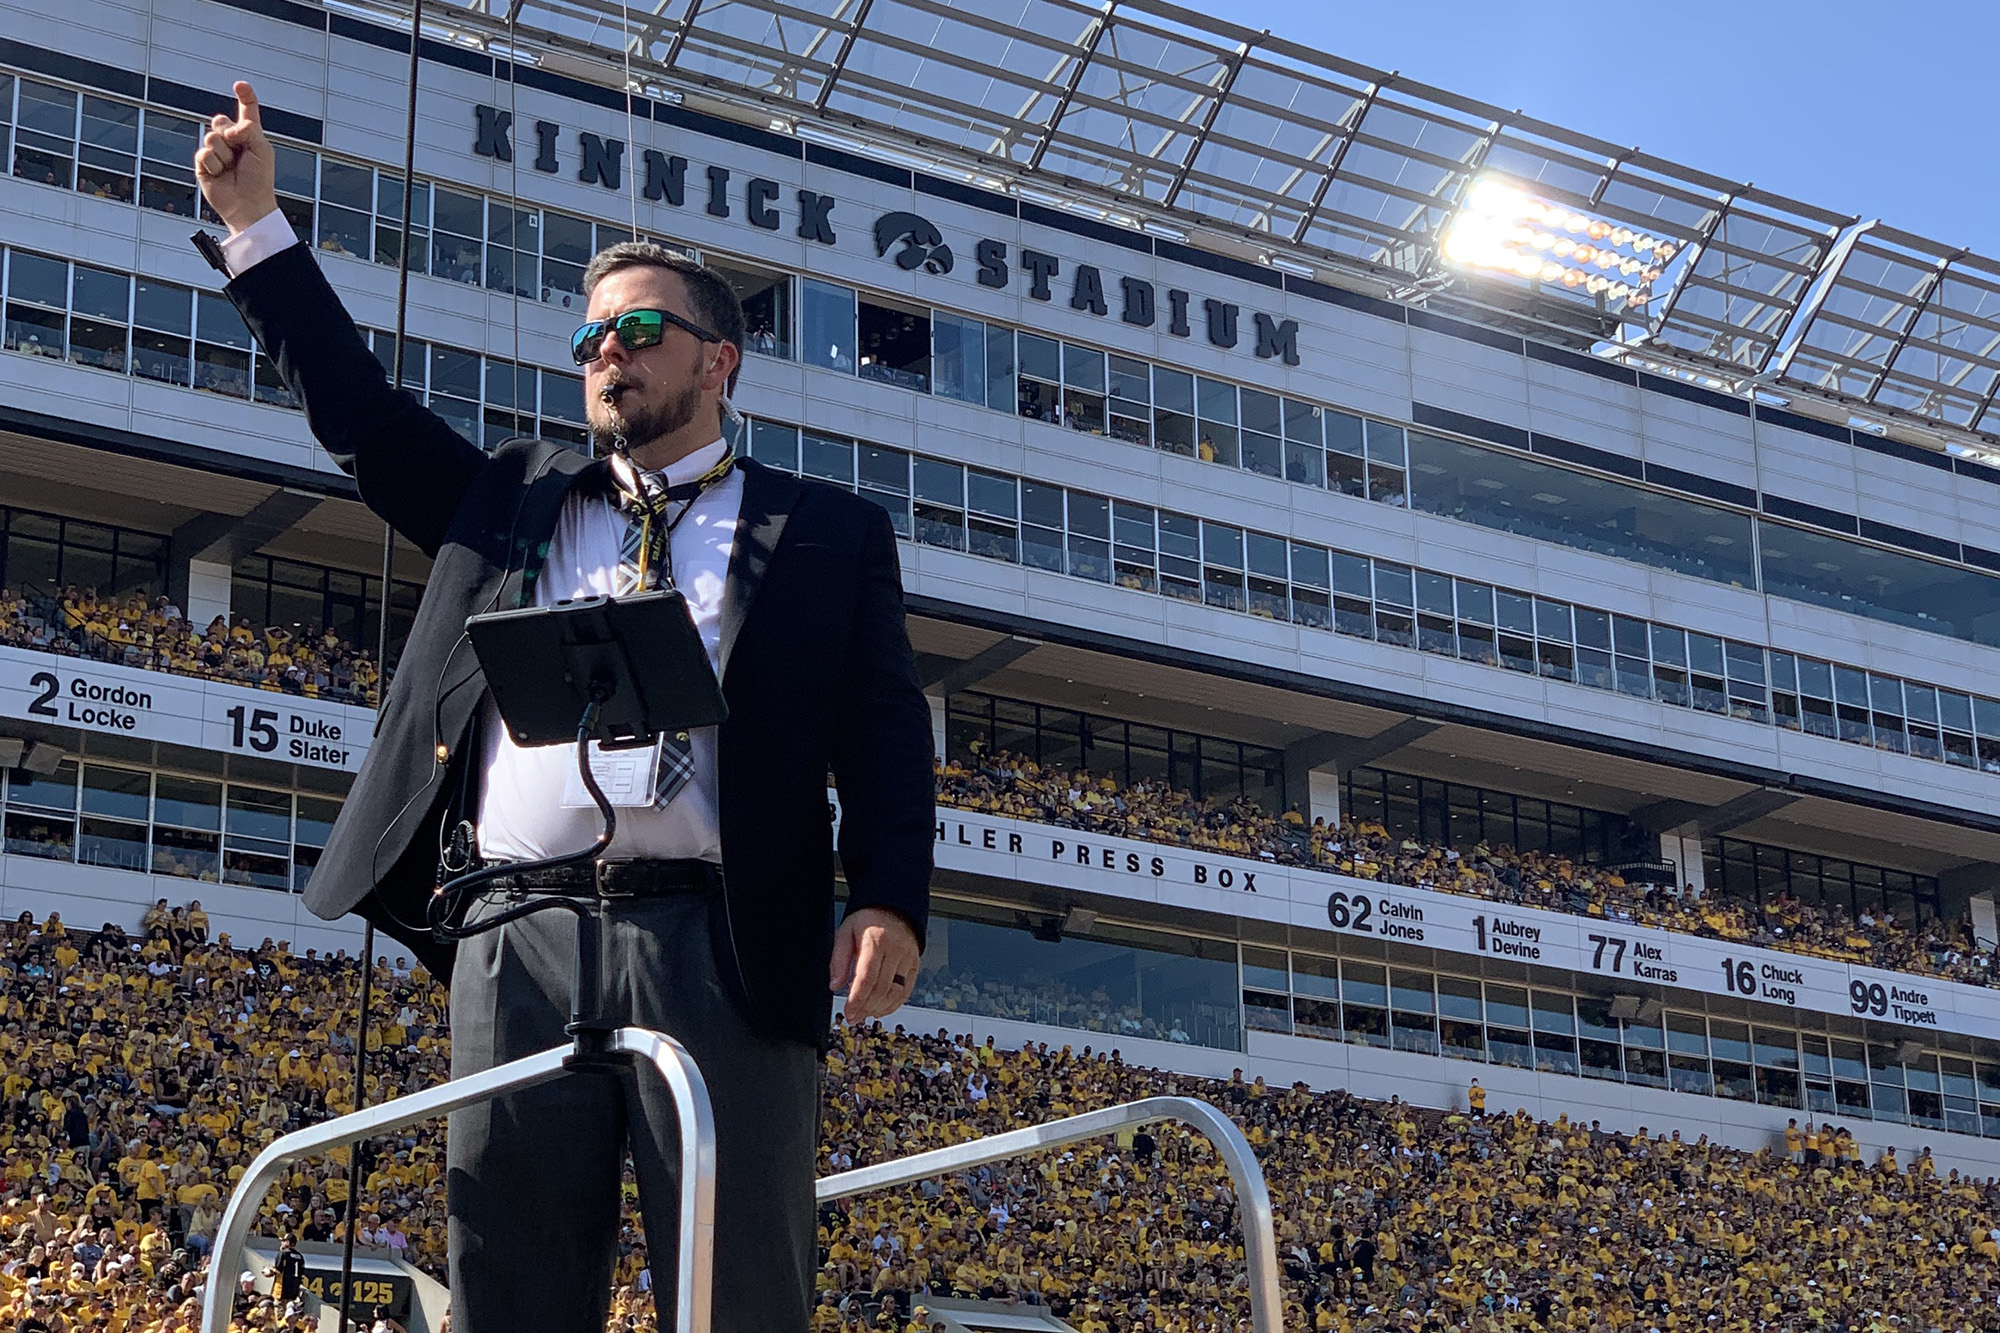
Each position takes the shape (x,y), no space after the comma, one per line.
(875,958)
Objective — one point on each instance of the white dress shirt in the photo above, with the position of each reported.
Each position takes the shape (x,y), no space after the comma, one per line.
(521,814)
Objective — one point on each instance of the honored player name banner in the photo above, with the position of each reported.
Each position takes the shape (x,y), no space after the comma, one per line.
(181,710)
(1617,952)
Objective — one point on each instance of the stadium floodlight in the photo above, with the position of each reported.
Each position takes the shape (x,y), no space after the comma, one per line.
(42,759)
(1626,1007)
(11,750)
(1502,228)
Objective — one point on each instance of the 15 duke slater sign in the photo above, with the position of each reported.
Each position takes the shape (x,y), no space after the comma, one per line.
(918,244)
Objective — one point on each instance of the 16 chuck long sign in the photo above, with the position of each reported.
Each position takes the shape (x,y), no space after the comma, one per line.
(1612,951)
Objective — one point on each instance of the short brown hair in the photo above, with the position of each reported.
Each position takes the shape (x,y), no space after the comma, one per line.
(711,300)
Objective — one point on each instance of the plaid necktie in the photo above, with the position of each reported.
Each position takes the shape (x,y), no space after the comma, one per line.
(646,562)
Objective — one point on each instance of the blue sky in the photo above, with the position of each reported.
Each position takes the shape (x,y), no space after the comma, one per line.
(1880,110)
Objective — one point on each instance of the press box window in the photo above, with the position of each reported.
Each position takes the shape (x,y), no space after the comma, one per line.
(45,135)
(41,813)
(389,222)
(1130,384)
(566,250)
(457,223)
(162,329)
(108,150)
(296,175)
(513,249)
(1173,411)
(100,302)
(1215,414)
(37,294)
(827,336)
(117,808)
(894,342)
(766,299)
(222,347)
(187,828)
(346,209)
(992,515)
(1083,389)
(1039,367)
(166,180)
(885,478)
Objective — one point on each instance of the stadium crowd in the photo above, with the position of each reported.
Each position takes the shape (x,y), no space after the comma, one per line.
(144,1070)
(130,630)
(1012,785)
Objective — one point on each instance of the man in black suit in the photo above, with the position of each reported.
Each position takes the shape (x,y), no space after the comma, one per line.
(727,941)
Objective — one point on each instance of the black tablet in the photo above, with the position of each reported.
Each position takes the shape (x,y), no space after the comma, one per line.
(641,653)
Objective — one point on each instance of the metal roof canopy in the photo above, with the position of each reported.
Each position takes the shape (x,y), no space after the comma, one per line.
(1140,110)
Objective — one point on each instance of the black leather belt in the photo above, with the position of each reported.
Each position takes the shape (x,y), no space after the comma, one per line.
(620,879)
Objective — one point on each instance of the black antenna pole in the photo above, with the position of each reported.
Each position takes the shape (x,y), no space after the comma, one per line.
(382,663)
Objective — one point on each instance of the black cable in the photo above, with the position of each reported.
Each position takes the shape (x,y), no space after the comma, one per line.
(447,895)
(382,666)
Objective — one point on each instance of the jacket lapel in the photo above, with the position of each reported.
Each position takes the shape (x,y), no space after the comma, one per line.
(768,498)
(511,570)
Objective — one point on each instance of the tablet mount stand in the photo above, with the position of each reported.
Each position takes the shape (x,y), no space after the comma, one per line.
(588,1029)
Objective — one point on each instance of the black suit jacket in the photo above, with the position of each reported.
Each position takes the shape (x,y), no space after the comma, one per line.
(816,669)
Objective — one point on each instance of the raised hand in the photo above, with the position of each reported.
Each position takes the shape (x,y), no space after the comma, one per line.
(235,164)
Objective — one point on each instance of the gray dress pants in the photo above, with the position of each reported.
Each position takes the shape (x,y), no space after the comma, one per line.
(534,1176)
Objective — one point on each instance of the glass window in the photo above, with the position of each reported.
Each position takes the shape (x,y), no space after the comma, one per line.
(458,222)
(1216,404)
(566,249)
(346,208)
(1907,590)
(894,344)
(1130,400)
(222,347)
(1534,499)
(45,135)
(166,182)
(108,153)
(1173,410)
(98,330)
(958,358)
(828,318)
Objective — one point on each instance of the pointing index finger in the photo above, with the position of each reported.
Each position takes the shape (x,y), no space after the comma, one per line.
(246,104)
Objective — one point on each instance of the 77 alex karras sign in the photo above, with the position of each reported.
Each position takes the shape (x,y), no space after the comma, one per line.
(1613,956)
(917,243)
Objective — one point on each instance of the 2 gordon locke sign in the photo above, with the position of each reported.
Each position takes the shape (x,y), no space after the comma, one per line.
(200,714)
(1614,953)
(602,161)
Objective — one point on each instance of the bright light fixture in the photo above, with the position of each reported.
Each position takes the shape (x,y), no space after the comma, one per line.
(1502,228)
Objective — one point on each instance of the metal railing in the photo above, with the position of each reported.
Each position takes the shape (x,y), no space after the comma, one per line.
(695,1262)
(1260,1245)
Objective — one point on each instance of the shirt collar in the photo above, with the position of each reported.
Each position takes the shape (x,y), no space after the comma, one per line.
(682,470)
(690,466)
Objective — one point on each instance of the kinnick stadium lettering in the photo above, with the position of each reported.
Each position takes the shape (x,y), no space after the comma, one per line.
(665,179)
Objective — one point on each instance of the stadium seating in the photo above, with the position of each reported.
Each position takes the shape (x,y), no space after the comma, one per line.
(1018,787)
(141,1074)
(131,632)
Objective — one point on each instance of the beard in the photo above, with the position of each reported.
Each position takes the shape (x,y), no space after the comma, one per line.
(634,426)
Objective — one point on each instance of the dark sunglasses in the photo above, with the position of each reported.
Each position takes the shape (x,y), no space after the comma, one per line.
(636,329)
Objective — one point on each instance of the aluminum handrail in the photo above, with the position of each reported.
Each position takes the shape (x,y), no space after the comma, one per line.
(1260,1246)
(696,1260)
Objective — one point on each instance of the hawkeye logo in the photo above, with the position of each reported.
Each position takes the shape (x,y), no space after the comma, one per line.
(923,243)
